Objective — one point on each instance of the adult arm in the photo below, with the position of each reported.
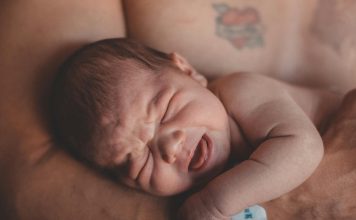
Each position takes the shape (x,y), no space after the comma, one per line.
(38,180)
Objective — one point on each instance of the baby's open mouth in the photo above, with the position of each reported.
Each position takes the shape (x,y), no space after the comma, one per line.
(200,155)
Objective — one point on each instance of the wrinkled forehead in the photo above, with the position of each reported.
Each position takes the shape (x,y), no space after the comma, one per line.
(125,123)
(134,92)
(138,85)
(137,108)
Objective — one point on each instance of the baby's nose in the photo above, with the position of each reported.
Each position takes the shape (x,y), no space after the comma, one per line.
(170,145)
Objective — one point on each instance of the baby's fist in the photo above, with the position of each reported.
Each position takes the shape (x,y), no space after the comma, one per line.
(200,207)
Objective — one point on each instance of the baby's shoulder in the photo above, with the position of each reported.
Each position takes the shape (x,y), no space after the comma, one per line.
(241,82)
(242,88)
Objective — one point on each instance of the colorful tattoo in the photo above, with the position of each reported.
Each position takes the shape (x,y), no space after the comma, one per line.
(242,27)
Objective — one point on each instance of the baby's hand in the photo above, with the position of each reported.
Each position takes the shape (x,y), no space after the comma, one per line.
(198,207)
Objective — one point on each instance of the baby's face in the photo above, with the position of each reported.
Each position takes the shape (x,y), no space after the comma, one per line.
(173,134)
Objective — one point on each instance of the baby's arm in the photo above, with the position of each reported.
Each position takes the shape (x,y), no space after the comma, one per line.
(288,146)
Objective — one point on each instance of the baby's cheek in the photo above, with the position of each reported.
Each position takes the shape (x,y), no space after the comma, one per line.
(169,182)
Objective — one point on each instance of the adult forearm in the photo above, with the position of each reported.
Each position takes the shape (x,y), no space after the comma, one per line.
(57,187)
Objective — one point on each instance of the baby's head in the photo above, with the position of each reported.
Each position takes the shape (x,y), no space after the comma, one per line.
(144,115)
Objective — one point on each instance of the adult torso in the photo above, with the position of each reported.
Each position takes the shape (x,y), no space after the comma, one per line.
(306,42)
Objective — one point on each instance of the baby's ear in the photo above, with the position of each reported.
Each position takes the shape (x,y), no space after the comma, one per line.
(188,69)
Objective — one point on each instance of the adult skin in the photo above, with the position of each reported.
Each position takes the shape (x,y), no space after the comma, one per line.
(39,181)
(309,42)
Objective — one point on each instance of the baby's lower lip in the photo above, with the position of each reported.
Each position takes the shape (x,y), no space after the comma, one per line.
(201,155)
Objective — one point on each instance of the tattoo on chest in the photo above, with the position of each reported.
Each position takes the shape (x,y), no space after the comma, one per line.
(241,27)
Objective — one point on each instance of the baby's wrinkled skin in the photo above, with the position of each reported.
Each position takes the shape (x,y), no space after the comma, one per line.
(173,114)
(182,133)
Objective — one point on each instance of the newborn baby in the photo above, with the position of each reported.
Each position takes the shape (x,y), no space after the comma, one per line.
(154,122)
